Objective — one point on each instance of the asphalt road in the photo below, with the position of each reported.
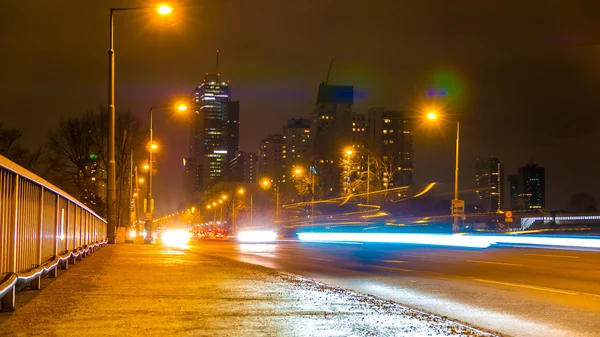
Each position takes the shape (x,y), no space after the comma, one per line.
(513,291)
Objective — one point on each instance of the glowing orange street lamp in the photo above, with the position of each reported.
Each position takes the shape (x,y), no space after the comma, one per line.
(298,171)
(432,115)
(111,186)
(164,9)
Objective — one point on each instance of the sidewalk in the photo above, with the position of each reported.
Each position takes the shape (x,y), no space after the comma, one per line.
(148,290)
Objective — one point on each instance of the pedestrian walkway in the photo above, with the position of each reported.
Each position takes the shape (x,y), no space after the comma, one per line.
(153,290)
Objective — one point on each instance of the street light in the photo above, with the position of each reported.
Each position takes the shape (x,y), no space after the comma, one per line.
(240,191)
(456,203)
(162,9)
(149,200)
(299,172)
(266,183)
(349,152)
(432,115)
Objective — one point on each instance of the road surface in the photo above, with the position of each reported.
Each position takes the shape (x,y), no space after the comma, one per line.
(513,291)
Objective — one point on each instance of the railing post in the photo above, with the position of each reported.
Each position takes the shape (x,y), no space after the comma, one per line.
(14,226)
(57,234)
(8,301)
(37,282)
(75,218)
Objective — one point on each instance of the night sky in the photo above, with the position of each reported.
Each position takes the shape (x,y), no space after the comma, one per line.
(522,76)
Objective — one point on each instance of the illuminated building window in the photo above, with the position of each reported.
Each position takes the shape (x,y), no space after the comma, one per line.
(386,120)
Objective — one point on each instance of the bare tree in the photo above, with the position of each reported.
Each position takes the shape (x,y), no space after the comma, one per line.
(11,148)
(77,150)
(9,138)
(367,173)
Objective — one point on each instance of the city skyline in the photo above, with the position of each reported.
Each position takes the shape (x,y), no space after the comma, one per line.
(291,168)
(512,99)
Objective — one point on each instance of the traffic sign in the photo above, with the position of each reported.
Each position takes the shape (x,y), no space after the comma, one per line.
(508,216)
(458,207)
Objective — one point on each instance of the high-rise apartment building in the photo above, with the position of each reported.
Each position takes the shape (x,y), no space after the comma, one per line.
(296,146)
(331,133)
(270,157)
(381,136)
(243,167)
(489,183)
(528,188)
(214,134)
(390,140)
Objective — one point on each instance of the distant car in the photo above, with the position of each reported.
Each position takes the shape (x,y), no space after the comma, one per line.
(219,235)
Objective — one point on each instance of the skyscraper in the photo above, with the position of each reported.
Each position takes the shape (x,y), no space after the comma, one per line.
(296,146)
(243,167)
(214,131)
(390,140)
(382,137)
(270,161)
(528,188)
(489,183)
(330,132)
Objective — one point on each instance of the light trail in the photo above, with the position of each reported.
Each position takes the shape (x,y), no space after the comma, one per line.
(456,240)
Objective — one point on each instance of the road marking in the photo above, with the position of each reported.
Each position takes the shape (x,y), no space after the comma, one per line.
(560,291)
(551,255)
(320,259)
(493,262)
(394,261)
(420,256)
(391,268)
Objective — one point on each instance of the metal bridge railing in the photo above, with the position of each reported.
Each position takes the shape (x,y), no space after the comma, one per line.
(42,228)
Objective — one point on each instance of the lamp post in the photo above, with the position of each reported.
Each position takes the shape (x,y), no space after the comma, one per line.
(456,200)
(214,206)
(240,191)
(457,204)
(149,209)
(162,9)
(299,172)
(266,183)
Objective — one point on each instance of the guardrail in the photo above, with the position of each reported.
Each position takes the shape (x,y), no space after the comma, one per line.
(42,228)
